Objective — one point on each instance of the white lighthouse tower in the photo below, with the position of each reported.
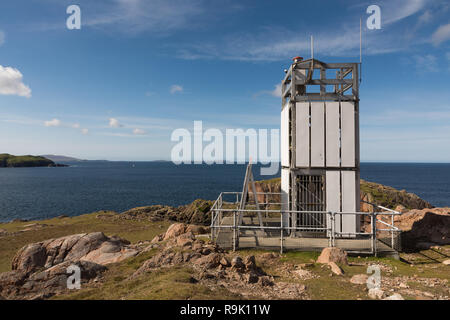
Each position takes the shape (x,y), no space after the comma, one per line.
(320,146)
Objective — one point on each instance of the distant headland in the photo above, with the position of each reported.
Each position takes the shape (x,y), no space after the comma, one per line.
(11,161)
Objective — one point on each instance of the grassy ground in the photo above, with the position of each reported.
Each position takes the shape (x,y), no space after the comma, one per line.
(175,282)
(165,283)
(59,227)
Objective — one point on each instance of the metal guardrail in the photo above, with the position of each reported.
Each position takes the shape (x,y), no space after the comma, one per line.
(330,231)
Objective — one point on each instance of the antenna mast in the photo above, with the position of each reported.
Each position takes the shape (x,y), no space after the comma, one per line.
(360,50)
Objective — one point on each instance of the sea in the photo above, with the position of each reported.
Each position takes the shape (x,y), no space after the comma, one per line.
(88,186)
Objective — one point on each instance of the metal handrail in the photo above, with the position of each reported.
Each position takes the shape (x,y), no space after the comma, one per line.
(217,209)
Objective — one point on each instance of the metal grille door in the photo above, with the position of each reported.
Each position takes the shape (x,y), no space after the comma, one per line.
(311,197)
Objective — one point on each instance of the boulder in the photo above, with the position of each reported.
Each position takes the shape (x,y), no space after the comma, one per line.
(109,253)
(446,262)
(225,262)
(333,254)
(175,230)
(251,277)
(197,229)
(157,238)
(376,293)
(250,263)
(360,279)
(45,283)
(93,247)
(395,296)
(431,226)
(335,268)
(265,281)
(237,263)
(209,261)
(29,258)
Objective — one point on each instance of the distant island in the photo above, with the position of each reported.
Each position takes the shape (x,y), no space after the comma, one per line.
(11,161)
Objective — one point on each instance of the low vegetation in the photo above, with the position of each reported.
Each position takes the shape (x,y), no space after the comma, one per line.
(7,160)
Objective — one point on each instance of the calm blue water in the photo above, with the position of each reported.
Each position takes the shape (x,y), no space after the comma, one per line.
(36,193)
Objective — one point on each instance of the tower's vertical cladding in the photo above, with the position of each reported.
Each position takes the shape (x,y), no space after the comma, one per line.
(320,145)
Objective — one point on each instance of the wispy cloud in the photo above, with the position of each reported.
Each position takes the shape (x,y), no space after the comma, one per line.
(114,123)
(272,43)
(138,131)
(11,82)
(396,10)
(276,92)
(176,88)
(426,63)
(134,16)
(442,34)
(53,123)
(425,17)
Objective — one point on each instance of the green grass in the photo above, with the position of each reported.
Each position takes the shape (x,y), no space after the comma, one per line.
(163,284)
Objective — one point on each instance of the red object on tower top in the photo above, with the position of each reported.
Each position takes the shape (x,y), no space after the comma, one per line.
(295,59)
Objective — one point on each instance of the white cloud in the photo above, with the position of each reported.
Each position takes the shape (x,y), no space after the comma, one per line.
(441,35)
(53,123)
(425,17)
(138,131)
(114,123)
(393,11)
(11,82)
(277,91)
(84,131)
(272,43)
(176,88)
(276,44)
(76,126)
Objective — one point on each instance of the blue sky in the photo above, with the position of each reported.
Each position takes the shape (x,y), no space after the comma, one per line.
(137,70)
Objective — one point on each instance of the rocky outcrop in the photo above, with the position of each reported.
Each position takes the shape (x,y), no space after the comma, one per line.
(424,228)
(46,283)
(39,270)
(93,247)
(216,268)
(197,212)
(389,197)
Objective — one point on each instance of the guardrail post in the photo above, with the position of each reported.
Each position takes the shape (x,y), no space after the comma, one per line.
(374,233)
(331,228)
(281,233)
(392,231)
(234,231)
